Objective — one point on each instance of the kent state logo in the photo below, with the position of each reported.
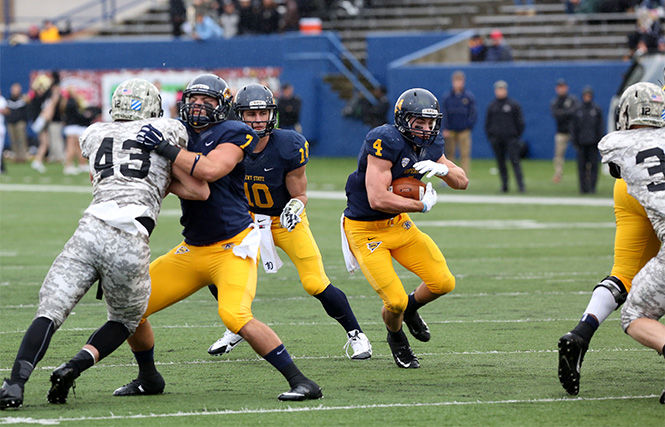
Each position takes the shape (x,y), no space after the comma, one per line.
(182,250)
(407,225)
(373,245)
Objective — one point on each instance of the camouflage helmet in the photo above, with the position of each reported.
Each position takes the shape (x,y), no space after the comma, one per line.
(136,99)
(641,104)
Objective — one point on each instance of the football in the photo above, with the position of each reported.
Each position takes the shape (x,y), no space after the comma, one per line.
(409,187)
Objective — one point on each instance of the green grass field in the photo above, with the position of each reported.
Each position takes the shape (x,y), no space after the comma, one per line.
(525,268)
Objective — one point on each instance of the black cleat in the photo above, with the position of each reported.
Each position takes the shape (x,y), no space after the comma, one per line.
(307,390)
(142,386)
(62,379)
(11,395)
(662,398)
(417,326)
(572,349)
(403,354)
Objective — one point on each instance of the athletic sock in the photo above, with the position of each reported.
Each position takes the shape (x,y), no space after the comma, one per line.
(33,347)
(281,360)
(337,306)
(82,361)
(413,305)
(146,362)
(587,327)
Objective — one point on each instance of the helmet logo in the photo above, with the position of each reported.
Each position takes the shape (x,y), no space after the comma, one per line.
(199,86)
(429,112)
(136,105)
(398,106)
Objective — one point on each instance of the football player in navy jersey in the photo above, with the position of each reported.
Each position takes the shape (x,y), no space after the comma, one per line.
(275,187)
(376,224)
(221,242)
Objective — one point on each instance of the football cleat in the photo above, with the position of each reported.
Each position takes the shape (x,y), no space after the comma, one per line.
(403,355)
(308,390)
(572,349)
(11,395)
(225,344)
(417,326)
(661,400)
(142,386)
(62,379)
(359,344)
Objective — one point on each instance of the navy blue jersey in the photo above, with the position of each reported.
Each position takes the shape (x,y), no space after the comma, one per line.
(384,142)
(225,213)
(265,172)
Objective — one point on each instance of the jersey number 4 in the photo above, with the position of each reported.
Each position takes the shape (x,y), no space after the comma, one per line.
(659,168)
(104,160)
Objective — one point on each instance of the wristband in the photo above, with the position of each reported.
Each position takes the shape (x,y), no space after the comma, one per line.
(196,160)
(169,151)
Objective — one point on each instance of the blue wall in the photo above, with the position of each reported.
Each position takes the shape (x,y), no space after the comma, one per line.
(305,60)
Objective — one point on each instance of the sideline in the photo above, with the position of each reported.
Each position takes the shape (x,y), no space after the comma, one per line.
(340,195)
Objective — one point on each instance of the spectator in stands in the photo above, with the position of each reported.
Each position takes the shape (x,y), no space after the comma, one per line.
(524,7)
(291,17)
(288,109)
(645,37)
(205,28)
(477,48)
(459,117)
(248,11)
(44,98)
(33,33)
(49,32)
(17,119)
(498,51)
(504,125)
(178,16)
(563,107)
(269,19)
(586,131)
(229,19)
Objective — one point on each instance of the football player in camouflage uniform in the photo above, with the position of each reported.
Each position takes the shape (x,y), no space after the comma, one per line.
(637,155)
(111,241)
(221,243)
(635,241)
(276,189)
(376,223)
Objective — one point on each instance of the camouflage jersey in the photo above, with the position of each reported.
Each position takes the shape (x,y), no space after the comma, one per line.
(121,171)
(640,155)
(385,142)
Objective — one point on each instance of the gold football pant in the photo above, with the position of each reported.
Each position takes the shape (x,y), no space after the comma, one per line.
(301,248)
(375,243)
(187,268)
(635,242)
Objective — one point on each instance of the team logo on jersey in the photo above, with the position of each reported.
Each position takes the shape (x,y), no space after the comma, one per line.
(182,250)
(407,225)
(373,245)
(228,245)
(136,105)
(405,161)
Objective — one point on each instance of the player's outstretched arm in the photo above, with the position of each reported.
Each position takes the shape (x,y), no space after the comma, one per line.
(456,177)
(218,163)
(377,180)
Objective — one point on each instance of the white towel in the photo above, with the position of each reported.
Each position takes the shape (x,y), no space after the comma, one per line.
(349,259)
(249,247)
(123,218)
(269,257)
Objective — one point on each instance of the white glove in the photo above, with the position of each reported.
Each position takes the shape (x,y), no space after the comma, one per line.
(434,168)
(291,214)
(429,198)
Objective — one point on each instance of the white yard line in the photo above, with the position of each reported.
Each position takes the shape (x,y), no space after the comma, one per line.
(317,408)
(340,195)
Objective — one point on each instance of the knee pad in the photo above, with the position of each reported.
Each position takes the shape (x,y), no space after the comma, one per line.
(616,287)
(235,320)
(109,337)
(442,286)
(313,285)
(397,304)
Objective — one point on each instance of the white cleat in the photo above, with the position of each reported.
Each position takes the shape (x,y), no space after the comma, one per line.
(225,344)
(360,345)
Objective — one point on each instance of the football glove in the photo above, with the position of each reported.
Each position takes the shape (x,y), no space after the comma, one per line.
(150,138)
(429,198)
(434,168)
(290,216)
